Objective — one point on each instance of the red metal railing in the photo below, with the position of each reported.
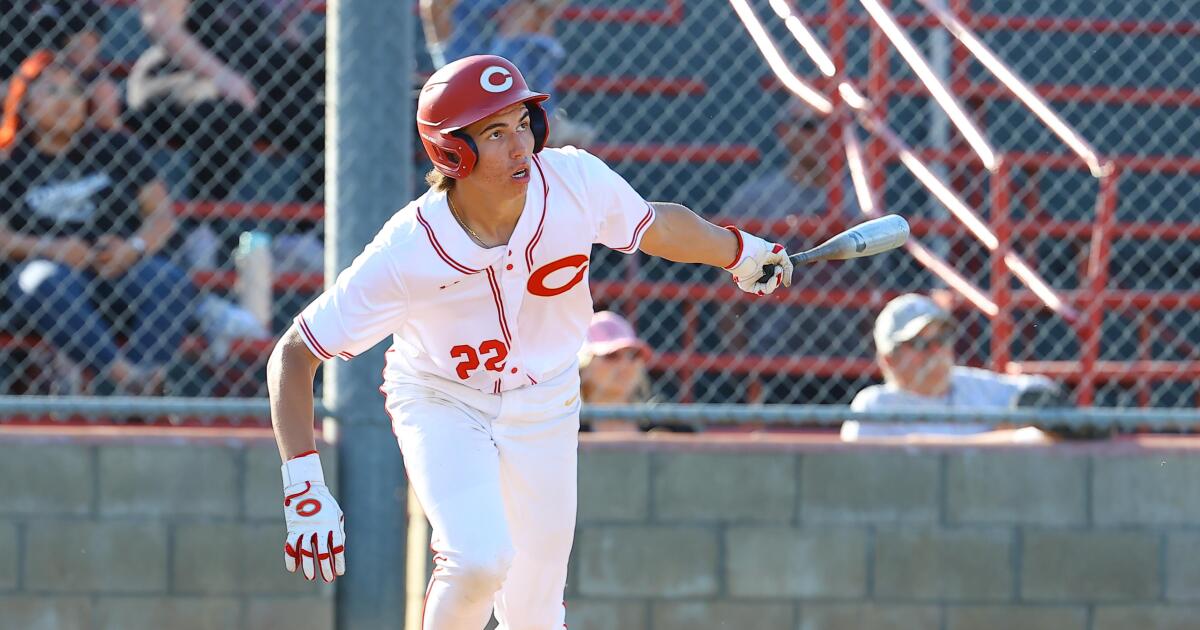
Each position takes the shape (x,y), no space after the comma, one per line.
(998,239)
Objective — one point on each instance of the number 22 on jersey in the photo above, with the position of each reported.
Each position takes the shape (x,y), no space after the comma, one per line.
(492,351)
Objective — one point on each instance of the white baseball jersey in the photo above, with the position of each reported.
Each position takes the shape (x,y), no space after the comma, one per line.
(493,319)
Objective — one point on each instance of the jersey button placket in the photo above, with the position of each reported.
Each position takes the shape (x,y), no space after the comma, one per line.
(512,285)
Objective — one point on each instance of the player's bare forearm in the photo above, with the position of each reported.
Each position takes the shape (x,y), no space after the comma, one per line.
(291,370)
(680,235)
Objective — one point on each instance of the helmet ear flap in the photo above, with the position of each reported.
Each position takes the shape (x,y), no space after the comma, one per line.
(538,124)
(468,140)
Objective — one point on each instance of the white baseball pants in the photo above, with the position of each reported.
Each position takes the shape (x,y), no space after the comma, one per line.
(496,476)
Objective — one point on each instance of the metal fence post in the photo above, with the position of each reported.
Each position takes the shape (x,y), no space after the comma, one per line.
(369,115)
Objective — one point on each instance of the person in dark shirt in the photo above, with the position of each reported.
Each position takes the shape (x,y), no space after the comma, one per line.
(221,74)
(82,219)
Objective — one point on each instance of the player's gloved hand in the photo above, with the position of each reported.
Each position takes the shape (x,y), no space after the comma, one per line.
(753,254)
(316,538)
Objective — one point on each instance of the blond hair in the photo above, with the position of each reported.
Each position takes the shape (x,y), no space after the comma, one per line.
(439,181)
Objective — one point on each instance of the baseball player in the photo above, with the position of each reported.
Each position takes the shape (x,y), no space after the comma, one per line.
(482,285)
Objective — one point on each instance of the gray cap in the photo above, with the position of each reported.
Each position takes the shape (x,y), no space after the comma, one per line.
(904,318)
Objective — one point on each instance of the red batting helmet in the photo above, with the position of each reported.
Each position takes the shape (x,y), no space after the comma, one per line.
(467,91)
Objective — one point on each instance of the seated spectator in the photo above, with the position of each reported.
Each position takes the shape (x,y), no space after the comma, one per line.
(83,218)
(522,31)
(220,75)
(72,27)
(19,34)
(75,28)
(797,188)
(914,344)
(612,368)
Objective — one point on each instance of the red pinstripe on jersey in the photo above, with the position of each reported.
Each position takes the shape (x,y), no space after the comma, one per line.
(491,276)
(312,339)
(537,235)
(441,252)
(637,232)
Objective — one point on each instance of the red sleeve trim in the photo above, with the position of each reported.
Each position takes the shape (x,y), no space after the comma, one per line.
(738,255)
(312,339)
(304,454)
(637,232)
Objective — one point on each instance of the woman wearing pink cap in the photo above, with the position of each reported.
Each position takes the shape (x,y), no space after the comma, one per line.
(612,367)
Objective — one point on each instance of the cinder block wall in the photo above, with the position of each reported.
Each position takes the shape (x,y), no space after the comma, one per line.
(686,535)
(152,535)
(679,536)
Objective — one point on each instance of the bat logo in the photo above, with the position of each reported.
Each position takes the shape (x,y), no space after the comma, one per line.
(860,243)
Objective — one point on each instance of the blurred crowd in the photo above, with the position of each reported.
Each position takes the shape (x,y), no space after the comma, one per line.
(94,260)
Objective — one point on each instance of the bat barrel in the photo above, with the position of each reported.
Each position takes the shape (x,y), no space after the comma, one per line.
(865,239)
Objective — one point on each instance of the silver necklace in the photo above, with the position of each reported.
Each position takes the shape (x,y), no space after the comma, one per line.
(470,232)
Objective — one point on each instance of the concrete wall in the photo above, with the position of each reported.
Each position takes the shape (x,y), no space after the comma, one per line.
(812,536)
(148,534)
(798,534)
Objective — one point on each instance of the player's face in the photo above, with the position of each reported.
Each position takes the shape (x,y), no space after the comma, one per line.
(923,364)
(56,104)
(505,144)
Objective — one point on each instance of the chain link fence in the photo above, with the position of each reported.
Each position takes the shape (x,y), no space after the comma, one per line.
(162,186)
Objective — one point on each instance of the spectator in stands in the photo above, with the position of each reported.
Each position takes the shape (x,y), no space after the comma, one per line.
(523,31)
(612,368)
(19,35)
(82,220)
(798,188)
(75,28)
(914,341)
(222,74)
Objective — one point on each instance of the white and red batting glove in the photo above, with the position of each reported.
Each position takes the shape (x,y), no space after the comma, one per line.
(753,254)
(316,536)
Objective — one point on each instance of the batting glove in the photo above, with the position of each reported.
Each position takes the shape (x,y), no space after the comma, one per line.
(753,254)
(316,535)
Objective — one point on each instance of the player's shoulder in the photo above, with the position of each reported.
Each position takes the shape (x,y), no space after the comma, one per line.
(402,227)
(569,161)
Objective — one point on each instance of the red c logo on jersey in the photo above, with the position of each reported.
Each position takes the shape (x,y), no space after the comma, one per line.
(537,280)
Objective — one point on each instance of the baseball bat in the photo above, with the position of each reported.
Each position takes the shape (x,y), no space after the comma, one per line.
(865,239)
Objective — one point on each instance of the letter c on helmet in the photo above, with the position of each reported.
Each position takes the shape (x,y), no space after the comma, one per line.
(487,81)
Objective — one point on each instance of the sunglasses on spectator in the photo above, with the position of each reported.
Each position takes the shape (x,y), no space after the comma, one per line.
(942,338)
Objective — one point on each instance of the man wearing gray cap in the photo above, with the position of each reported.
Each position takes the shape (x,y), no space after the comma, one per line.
(914,345)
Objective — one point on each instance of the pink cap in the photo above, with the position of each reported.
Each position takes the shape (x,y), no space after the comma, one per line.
(610,332)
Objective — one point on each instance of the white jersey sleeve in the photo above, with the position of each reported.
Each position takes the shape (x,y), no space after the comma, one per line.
(366,304)
(620,216)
